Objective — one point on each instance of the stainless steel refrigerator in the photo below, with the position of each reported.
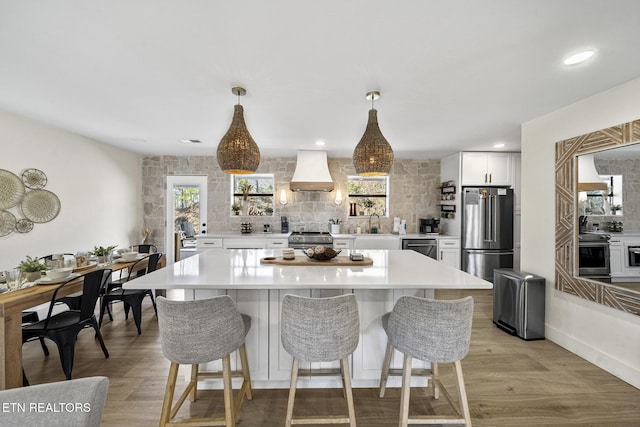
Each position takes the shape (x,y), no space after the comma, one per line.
(487,230)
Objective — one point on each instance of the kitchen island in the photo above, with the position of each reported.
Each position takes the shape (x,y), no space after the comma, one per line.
(259,289)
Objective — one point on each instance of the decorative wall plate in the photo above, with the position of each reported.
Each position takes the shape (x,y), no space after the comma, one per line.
(11,189)
(34,178)
(24,226)
(40,206)
(7,223)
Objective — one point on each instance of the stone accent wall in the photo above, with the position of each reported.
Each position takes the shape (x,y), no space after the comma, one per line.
(629,168)
(414,194)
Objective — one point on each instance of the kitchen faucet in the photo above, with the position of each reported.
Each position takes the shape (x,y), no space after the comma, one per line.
(370,229)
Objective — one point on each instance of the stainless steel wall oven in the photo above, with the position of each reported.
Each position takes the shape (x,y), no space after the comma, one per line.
(634,256)
(593,255)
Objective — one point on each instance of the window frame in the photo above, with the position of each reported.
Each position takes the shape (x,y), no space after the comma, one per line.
(234,178)
(367,211)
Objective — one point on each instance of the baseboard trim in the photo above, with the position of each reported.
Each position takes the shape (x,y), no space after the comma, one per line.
(618,368)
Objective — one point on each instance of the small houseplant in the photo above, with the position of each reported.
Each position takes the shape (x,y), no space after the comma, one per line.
(32,267)
(236,208)
(101,252)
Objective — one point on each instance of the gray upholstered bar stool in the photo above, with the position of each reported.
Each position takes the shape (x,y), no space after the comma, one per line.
(436,331)
(320,330)
(201,331)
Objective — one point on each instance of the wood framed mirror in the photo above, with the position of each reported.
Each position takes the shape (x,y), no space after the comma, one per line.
(566,257)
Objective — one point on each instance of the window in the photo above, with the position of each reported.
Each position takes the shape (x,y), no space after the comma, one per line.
(603,202)
(252,194)
(370,195)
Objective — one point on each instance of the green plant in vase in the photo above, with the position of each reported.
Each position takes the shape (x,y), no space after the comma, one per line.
(32,267)
(102,252)
(236,207)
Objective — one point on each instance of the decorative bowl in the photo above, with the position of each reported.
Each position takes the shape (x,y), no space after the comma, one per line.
(59,273)
(129,256)
(321,253)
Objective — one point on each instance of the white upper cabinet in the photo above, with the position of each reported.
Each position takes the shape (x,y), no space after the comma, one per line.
(486,168)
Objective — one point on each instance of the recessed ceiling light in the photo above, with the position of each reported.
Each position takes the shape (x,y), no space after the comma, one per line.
(498,145)
(192,141)
(320,143)
(579,57)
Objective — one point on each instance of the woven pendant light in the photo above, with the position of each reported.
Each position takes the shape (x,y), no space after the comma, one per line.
(237,152)
(373,156)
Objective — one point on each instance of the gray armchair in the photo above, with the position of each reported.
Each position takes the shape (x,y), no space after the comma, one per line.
(73,403)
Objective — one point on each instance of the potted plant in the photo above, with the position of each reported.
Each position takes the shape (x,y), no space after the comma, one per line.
(615,209)
(102,253)
(32,267)
(236,208)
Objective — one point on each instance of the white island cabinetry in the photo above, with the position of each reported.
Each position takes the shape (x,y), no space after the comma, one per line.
(258,289)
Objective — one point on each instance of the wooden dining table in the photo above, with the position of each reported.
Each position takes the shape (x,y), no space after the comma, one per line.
(12,304)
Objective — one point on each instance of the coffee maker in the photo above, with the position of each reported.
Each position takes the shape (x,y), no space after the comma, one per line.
(284,224)
(430,225)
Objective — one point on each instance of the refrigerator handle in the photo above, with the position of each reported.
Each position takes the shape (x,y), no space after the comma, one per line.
(488,232)
(494,216)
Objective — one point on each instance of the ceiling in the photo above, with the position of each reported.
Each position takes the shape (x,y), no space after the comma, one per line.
(453,75)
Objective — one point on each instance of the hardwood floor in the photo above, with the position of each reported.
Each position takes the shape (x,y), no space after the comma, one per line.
(510,382)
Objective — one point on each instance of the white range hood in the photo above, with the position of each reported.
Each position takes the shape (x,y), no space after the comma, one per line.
(312,172)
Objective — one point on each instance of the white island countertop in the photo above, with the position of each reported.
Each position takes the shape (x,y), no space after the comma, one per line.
(241,269)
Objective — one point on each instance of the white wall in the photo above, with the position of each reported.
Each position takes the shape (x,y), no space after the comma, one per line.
(604,336)
(99,188)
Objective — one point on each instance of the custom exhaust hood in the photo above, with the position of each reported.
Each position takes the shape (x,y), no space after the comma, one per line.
(312,172)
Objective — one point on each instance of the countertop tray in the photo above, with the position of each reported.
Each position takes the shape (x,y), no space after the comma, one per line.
(304,260)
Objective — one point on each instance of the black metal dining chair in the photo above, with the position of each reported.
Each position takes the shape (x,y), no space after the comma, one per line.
(132,298)
(63,328)
(144,248)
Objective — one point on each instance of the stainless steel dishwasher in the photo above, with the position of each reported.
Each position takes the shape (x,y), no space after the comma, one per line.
(428,247)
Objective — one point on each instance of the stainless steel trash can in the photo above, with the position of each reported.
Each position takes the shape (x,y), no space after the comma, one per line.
(518,303)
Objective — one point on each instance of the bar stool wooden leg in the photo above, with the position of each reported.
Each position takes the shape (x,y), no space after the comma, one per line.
(434,380)
(165,416)
(245,371)
(194,382)
(385,368)
(292,392)
(346,381)
(405,392)
(462,392)
(228,392)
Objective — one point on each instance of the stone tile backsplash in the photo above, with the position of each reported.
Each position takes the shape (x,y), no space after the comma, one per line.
(414,194)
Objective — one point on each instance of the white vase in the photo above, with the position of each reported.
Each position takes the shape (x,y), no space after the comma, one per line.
(32,276)
(245,207)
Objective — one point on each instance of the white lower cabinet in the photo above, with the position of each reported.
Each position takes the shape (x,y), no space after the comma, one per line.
(244,243)
(616,258)
(371,241)
(343,243)
(205,242)
(449,252)
(277,243)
